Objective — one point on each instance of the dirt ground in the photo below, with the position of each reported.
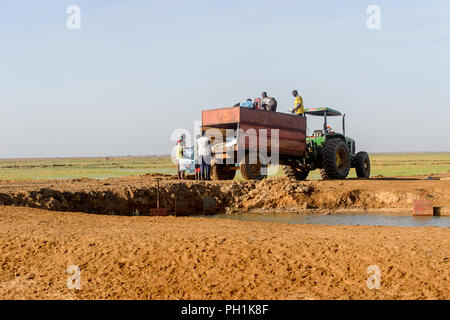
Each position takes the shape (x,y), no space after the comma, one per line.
(136,195)
(199,258)
(141,257)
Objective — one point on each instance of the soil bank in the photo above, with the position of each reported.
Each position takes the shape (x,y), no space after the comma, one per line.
(130,195)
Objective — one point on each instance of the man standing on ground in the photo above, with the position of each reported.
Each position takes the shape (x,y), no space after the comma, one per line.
(298,109)
(204,154)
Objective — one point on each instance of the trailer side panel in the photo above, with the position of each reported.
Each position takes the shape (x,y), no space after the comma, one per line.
(291,128)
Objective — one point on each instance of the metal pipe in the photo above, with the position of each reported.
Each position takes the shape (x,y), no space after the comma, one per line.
(343,124)
(325,124)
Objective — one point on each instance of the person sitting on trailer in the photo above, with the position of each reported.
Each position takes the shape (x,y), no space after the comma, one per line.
(257,104)
(246,104)
(268,103)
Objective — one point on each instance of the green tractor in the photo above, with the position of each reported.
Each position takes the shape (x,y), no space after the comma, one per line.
(331,152)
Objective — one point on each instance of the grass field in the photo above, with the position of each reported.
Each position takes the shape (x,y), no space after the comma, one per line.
(401,164)
(67,168)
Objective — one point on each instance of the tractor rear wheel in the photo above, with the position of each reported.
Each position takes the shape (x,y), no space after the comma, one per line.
(222,172)
(335,160)
(294,170)
(361,162)
(252,171)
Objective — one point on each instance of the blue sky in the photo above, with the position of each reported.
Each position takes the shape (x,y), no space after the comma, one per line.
(137,70)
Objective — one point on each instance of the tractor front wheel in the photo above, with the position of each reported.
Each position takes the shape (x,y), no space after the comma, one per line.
(335,160)
(361,162)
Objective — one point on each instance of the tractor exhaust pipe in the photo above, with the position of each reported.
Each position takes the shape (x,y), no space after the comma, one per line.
(343,124)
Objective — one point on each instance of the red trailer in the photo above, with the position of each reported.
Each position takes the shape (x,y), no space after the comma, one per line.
(237,134)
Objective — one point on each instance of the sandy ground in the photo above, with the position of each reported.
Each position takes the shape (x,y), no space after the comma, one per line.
(128,195)
(197,258)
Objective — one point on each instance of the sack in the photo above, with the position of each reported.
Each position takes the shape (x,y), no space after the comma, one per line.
(189,153)
(187,165)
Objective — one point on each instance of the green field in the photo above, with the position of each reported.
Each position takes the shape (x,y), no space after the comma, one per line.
(69,168)
(401,164)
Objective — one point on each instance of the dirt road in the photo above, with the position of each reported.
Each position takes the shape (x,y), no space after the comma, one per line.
(198,258)
(131,195)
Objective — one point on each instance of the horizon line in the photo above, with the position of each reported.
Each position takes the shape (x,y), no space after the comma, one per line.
(168,155)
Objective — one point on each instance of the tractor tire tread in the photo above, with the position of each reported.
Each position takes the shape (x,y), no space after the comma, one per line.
(329,170)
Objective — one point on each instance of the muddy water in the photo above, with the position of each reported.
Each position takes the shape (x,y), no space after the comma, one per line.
(341,219)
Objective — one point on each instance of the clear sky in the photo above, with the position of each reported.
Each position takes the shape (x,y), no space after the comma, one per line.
(137,70)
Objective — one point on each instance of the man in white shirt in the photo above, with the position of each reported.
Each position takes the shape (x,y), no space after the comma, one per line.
(204,155)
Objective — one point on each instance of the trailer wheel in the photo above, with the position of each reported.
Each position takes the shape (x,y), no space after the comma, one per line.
(294,170)
(252,171)
(222,172)
(361,162)
(335,160)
